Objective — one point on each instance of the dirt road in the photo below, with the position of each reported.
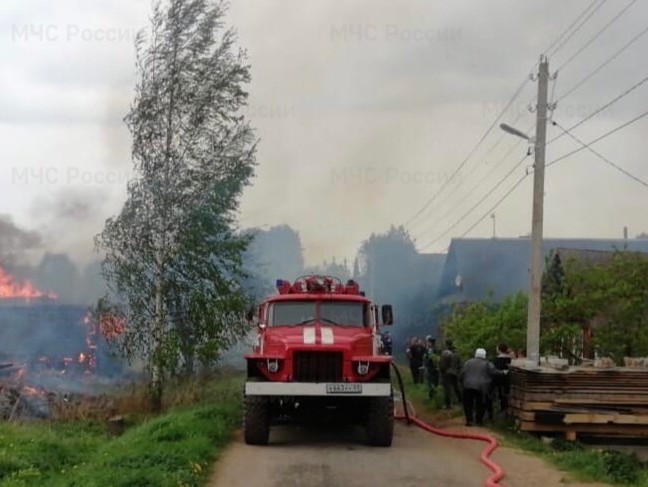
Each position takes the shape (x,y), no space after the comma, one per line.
(317,457)
(313,457)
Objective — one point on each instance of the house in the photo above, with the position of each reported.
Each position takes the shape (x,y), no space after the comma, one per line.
(491,269)
(428,269)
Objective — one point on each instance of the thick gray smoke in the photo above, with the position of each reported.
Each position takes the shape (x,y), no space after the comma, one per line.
(68,219)
(73,205)
(72,283)
(50,272)
(15,242)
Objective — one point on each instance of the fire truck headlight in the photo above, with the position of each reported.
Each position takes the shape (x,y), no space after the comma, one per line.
(363,368)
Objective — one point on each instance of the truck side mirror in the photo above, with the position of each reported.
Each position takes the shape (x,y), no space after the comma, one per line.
(387,314)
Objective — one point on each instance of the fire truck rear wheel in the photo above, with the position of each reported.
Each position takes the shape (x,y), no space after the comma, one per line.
(380,421)
(256,420)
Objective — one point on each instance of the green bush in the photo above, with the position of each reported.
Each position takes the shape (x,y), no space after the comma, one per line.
(621,467)
(561,444)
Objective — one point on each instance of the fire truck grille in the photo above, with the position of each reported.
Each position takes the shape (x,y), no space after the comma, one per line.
(317,366)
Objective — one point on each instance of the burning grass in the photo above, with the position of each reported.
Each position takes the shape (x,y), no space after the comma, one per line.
(173,449)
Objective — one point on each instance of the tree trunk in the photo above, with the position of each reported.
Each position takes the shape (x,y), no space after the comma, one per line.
(187,348)
(157,386)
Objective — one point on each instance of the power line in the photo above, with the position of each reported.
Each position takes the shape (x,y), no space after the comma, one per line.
(605,63)
(490,210)
(597,35)
(473,150)
(584,146)
(600,109)
(557,39)
(560,46)
(494,207)
(476,186)
(427,204)
(601,156)
(592,142)
(488,151)
(483,198)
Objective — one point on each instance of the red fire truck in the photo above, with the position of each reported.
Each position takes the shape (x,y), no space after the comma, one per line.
(317,351)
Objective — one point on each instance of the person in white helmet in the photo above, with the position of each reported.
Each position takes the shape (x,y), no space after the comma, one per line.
(476,377)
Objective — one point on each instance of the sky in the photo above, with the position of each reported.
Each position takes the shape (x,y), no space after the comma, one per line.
(364,110)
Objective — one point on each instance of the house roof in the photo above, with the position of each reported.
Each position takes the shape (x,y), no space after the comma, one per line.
(478,269)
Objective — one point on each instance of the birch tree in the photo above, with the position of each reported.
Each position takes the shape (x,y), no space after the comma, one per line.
(173,253)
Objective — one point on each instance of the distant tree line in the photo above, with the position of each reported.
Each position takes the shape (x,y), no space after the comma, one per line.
(387,266)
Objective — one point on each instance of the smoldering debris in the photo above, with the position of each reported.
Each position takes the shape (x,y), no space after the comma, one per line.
(24,397)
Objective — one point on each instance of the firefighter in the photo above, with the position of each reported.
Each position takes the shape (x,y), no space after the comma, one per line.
(476,377)
(415,354)
(431,365)
(450,366)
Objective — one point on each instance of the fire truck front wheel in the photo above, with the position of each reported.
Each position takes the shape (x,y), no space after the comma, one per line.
(380,421)
(256,420)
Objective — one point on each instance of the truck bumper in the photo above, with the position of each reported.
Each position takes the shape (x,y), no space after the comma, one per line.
(336,389)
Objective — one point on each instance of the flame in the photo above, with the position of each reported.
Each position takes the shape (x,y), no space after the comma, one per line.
(31,391)
(111,326)
(10,289)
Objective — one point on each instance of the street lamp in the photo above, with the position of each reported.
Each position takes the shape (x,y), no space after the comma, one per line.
(514,131)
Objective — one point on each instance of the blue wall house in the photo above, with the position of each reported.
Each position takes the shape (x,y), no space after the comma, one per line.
(491,269)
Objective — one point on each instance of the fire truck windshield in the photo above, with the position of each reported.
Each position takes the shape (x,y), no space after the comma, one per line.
(340,313)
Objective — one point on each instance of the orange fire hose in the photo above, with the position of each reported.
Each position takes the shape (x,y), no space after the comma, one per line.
(497,471)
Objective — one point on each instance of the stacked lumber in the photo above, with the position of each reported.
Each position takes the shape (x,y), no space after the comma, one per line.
(581,400)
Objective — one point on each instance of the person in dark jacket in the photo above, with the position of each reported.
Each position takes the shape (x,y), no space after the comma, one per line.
(431,365)
(501,383)
(449,367)
(387,342)
(416,354)
(476,378)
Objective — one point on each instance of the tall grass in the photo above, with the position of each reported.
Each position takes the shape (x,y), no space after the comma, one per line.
(174,449)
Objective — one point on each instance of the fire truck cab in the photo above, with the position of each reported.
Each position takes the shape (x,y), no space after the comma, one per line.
(318,351)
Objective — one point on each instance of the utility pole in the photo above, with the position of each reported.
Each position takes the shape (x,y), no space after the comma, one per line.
(533,323)
(493,218)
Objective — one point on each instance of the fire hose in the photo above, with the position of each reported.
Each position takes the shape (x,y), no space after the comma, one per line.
(497,472)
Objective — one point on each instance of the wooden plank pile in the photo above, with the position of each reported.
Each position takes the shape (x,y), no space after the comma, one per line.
(581,400)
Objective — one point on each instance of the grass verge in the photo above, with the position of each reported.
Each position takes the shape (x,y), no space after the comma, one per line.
(582,462)
(174,449)
(430,408)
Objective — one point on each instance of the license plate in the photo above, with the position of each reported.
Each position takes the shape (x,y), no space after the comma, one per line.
(344,388)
